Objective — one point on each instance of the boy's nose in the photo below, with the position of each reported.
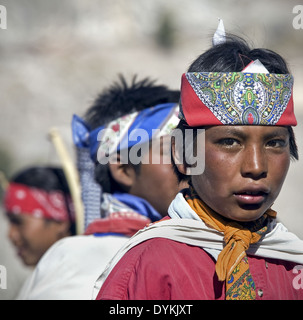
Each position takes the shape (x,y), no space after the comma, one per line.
(254,163)
(13,234)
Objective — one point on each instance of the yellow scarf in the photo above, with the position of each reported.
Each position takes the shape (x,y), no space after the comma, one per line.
(232,264)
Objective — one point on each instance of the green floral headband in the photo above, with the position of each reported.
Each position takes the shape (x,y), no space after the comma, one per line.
(237,98)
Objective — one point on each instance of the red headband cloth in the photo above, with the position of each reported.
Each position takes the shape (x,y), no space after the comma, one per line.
(21,199)
(237,98)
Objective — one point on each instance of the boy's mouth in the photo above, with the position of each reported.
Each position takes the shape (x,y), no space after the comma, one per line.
(252,195)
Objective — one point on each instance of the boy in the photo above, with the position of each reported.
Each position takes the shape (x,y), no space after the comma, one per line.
(221,239)
(130,192)
(40,211)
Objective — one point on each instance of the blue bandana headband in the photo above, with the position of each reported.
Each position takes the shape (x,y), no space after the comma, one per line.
(117,134)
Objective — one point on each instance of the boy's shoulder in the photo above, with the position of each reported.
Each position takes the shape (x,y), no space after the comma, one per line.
(162,268)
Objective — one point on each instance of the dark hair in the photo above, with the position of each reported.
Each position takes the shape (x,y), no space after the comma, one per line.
(233,56)
(47,179)
(118,100)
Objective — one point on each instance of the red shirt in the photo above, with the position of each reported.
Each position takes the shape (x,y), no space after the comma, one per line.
(162,269)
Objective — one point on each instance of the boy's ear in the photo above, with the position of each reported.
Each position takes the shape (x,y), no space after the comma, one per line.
(188,158)
(123,174)
(63,229)
(178,158)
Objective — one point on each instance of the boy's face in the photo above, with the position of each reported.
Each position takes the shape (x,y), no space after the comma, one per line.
(157,182)
(245,167)
(33,236)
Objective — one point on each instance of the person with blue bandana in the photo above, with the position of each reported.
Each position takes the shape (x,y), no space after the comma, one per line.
(127,182)
(221,239)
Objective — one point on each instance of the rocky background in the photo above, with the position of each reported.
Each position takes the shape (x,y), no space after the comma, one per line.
(56,55)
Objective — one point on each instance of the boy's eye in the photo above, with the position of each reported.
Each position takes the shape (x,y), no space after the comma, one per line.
(229,142)
(15,220)
(276,143)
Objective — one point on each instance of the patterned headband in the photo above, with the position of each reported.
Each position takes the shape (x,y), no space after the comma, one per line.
(21,199)
(117,134)
(237,98)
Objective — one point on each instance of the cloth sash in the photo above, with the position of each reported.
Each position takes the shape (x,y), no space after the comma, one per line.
(232,264)
(185,226)
(123,213)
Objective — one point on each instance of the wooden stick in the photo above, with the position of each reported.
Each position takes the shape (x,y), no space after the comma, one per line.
(3,181)
(71,176)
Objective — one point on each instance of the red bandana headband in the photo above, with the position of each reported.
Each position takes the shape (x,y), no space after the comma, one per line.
(21,199)
(237,98)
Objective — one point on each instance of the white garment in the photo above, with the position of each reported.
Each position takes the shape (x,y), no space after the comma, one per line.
(186,227)
(68,270)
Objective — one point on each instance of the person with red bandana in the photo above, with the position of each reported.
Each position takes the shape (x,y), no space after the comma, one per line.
(40,211)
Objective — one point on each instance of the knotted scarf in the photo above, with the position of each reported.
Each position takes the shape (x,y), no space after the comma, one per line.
(232,264)
(26,200)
